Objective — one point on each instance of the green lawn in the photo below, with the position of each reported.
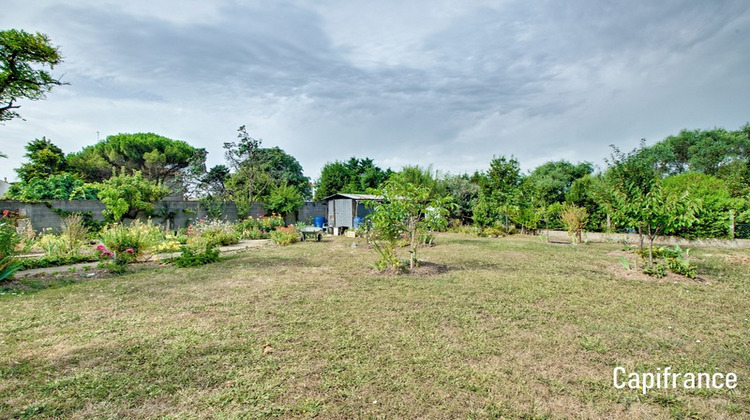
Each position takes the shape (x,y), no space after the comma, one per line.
(514,328)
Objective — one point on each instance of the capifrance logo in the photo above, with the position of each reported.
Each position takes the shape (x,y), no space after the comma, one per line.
(665,379)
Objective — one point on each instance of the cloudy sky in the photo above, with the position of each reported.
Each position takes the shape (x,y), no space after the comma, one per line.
(435,82)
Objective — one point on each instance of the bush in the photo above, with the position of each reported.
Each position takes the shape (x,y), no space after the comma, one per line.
(191,258)
(168,246)
(285,235)
(256,234)
(657,270)
(128,194)
(672,259)
(9,237)
(137,237)
(52,245)
(214,232)
(73,234)
(51,261)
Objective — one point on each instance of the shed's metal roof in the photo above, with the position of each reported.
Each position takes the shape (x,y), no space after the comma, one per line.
(354,196)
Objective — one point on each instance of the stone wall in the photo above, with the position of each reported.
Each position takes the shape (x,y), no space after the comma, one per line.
(172,214)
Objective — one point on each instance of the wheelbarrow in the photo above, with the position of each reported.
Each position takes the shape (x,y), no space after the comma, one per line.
(311,232)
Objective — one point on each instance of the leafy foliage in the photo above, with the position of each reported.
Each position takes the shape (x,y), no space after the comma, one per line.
(499,192)
(574,219)
(257,171)
(716,204)
(55,261)
(156,157)
(463,194)
(9,238)
(126,195)
(405,210)
(213,232)
(285,235)
(137,237)
(23,59)
(552,181)
(191,258)
(45,159)
(63,186)
(654,212)
(353,176)
(284,199)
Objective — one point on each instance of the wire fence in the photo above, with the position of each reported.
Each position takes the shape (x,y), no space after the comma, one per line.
(742,231)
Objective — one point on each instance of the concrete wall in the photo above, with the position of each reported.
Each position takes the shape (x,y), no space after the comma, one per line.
(174,214)
(632,238)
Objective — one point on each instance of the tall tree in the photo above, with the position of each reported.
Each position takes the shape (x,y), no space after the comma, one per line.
(353,176)
(630,176)
(550,182)
(706,151)
(23,59)
(45,159)
(259,171)
(499,191)
(463,194)
(156,157)
(282,168)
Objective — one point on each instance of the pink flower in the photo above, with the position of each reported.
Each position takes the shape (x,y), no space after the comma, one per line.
(101,248)
(129,250)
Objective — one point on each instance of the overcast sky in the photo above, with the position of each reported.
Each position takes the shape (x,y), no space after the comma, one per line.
(435,82)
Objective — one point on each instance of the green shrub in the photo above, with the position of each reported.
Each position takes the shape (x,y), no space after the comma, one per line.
(672,259)
(682,267)
(9,238)
(72,237)
(657,270)
(255,234)
(52,261)
(191,258)
(285,235)
(137,237)
(214,232)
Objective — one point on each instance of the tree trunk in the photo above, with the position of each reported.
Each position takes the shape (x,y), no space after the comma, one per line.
(650,246)
(413,256)
(640,237)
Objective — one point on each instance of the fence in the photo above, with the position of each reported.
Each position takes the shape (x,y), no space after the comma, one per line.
(742,231)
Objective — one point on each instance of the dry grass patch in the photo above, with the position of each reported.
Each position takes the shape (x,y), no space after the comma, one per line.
(513,328)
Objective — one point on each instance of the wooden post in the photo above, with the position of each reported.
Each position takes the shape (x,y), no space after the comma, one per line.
(731,224)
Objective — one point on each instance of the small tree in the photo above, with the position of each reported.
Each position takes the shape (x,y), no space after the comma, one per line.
(284,199)
(662,211)
(402,212)
(126,195)
(653,212)
(574,219)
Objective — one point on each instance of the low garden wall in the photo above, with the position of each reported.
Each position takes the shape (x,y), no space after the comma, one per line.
(172,214)
(632,238)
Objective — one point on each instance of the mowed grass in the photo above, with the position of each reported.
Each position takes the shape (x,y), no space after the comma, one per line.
(515,328)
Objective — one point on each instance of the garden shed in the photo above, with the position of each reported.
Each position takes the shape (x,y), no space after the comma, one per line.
(344,209)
